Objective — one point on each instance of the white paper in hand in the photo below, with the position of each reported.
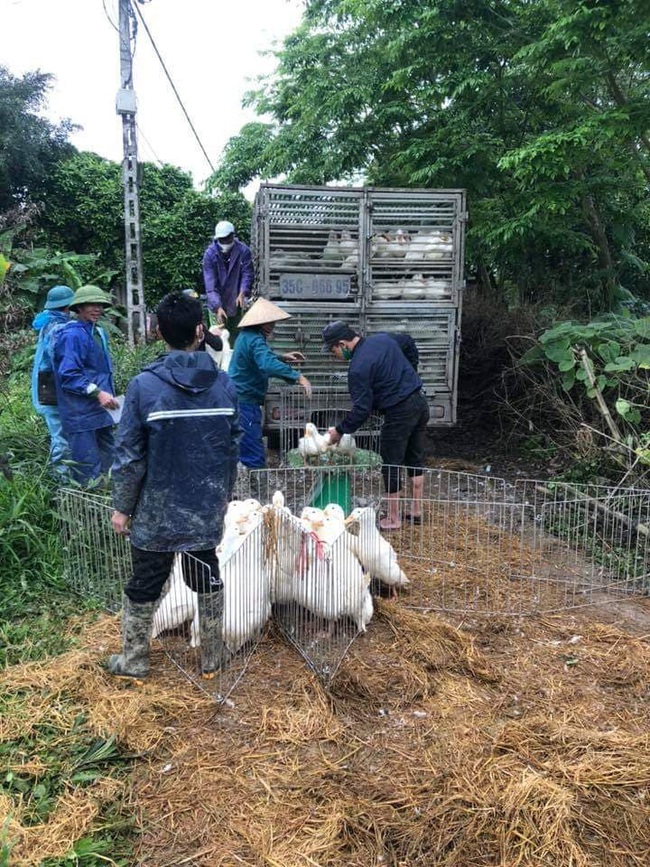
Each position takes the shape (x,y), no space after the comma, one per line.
(116,414)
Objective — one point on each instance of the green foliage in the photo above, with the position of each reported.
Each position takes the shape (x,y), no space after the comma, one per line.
(128,362)
(29,144)
(36,599)
(244,157)
(83,203)
(84,207)
(70,759)
(540,110)
(32,272)
(607,360)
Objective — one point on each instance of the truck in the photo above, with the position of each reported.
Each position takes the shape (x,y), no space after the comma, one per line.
(381,259)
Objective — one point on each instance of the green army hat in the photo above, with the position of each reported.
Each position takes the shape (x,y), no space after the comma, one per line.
(90,295)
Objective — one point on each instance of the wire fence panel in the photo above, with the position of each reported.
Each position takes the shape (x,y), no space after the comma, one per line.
(324,408)
(96,561)
(320,591)
(303,548)
(97,565)
(243,610)
(487,546)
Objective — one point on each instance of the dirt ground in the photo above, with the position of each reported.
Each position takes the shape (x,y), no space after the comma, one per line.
(478,741)
(487,742)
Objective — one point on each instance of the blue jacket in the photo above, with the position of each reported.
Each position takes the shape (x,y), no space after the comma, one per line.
(253,363)
(177,450)
(79,362)
(224,281)
(379,377)
(47,323)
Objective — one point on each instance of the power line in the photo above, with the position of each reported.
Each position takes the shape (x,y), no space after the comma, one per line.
(148,144)
(110,20)
(173,86)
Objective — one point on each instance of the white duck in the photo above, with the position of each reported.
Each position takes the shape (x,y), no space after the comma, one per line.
(332,583)
(311,515)
(376,554)
(332,251)
(288,560)
(347,245)
(333,510)
(415,288)
(398,246)
(226,352)
(178,605)
(245,575)
(241,518)
(278,503)
(379,246)
(247,589)
(347,445)
(312,443)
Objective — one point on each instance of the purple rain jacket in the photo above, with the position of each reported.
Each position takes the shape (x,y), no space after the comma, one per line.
(223,283)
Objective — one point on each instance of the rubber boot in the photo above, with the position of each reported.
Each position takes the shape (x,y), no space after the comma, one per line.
(137,620)
(417,490)
(214,653)
(392,519)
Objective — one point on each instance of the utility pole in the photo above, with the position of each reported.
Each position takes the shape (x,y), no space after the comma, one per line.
(125,105)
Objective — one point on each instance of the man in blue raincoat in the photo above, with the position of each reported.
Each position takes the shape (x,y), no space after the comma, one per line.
(55,314)
(228,276)
(174,472)
(83,375)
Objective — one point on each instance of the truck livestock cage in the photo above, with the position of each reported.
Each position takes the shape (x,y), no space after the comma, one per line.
(379,259)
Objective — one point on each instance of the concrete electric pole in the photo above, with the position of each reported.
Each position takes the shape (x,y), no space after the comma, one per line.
(125,105)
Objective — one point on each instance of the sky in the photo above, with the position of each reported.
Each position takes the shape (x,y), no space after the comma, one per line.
(210,48)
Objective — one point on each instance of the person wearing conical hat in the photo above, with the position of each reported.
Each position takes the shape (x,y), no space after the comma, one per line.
(252,364)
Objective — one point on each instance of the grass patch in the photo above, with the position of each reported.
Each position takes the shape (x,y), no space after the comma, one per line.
(51,758)
(52,761)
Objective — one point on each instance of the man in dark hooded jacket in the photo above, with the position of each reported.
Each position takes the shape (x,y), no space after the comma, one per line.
(174,472)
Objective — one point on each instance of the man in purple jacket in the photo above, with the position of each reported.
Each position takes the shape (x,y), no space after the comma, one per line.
(228,276)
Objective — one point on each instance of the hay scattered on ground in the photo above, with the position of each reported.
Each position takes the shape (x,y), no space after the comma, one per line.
(73,817)
(513,742)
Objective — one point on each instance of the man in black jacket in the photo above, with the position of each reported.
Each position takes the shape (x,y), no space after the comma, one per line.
(174,472)
(381,379)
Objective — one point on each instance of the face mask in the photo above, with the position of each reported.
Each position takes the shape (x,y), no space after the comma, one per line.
(226,248)
(346,354)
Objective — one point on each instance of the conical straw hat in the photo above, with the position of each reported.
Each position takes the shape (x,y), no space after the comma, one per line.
(262,312)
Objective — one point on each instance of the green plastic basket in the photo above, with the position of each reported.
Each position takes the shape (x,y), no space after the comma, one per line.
(333,484)
(332,487)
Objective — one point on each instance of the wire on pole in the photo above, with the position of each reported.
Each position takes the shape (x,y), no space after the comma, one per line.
(173,86)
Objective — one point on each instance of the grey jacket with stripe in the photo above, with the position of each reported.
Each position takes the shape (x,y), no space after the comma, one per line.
(177,451)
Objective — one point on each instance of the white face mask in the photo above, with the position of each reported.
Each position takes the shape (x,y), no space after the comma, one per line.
(226,248)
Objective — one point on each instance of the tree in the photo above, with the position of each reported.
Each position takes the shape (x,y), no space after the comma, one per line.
(83,206)
(29,144)
(539,110)
(83,211)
